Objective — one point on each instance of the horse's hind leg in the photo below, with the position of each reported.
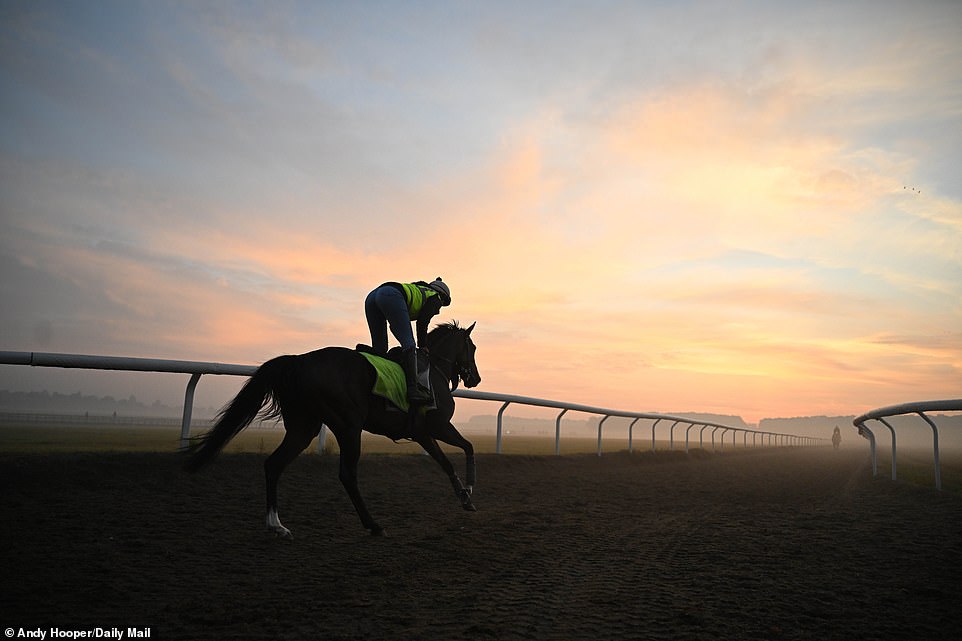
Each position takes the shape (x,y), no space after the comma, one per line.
(349,440)
(298,436)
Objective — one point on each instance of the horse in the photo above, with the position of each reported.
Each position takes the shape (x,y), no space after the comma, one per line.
(836,438)
(333,386)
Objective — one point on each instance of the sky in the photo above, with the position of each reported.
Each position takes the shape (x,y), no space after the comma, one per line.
(746,208)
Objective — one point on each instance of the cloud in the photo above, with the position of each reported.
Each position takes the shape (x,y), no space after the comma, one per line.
(637,212)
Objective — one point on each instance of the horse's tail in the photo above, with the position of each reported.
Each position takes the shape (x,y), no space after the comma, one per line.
(258,391)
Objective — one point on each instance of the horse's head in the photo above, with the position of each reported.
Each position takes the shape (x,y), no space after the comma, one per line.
(453,344)
(468,367)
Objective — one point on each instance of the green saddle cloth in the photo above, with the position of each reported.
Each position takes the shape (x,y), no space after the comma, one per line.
(390,381)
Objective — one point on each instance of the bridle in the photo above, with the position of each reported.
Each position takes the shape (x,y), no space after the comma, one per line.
(458,371)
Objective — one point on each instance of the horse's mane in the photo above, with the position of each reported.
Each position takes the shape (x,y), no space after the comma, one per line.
(444,328)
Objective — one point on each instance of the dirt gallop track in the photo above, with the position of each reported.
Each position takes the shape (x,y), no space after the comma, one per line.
(753,545)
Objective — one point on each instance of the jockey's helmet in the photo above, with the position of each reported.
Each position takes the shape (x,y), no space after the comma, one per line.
(442,289)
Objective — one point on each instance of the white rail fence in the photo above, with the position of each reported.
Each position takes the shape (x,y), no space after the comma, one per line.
(197,369)
(766,438)
(919,408)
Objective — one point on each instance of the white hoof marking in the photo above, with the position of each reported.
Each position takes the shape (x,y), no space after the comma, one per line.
(274,525)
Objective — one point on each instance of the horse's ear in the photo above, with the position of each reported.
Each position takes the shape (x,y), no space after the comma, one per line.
(468,332)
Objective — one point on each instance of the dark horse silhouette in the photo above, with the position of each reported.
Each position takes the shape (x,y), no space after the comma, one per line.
(333,386)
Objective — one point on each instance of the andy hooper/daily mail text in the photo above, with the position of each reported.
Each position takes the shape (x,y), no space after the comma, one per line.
(93,633)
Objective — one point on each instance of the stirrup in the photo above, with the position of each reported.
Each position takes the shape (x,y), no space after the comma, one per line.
(419,396)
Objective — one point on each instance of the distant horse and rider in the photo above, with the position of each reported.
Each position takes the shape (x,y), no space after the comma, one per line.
(334,386)
(836,438)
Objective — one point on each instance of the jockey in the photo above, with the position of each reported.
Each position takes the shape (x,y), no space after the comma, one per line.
(398,304)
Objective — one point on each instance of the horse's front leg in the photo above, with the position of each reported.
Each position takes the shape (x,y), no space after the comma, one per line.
(464,494)
(450,435)
(472,477)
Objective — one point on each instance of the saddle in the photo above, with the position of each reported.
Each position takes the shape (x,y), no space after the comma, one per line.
(391,381)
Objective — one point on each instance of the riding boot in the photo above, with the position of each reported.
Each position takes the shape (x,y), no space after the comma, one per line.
(417,394)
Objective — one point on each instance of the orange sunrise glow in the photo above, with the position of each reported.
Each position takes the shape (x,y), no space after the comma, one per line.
(763,227)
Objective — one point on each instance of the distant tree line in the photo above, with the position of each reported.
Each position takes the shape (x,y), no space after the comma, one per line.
(77,403)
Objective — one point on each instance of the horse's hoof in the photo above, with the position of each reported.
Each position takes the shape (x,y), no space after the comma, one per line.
(274,525)
(282,533)
(465,497)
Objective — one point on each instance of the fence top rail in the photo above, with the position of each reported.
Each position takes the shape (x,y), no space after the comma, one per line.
(124,363)
(948,405)
(574,407)
(83,361)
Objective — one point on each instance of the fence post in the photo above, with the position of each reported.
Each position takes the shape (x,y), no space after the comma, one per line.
(935,441)
(497,447)
(557,433)
(688,429)
(892,431)
(865,432)
(600,423)
(631,429)
(671,435)
(188,410)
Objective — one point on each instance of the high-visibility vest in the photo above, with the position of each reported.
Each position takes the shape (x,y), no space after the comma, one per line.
(414,296)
